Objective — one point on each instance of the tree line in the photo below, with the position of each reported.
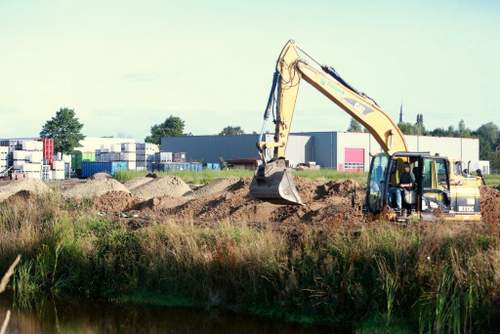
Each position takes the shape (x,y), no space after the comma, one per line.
(66,129)
(488,134)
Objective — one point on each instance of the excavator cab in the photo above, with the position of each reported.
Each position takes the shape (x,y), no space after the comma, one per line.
(430,192)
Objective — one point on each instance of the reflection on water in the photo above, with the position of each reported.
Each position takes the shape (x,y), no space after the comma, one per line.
(91,317)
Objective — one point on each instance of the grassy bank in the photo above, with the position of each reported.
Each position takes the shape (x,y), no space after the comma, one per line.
(440,278)
(206,176)
(492,180)
(202,177)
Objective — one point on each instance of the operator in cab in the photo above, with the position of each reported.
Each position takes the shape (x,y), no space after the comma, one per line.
(406,181)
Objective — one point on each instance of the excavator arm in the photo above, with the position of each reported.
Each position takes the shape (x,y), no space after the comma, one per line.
(272,182)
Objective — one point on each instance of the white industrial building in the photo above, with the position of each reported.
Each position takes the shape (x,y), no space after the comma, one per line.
(344,151)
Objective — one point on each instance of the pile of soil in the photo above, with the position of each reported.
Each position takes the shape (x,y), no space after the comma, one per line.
(33,186)
(94,188)
(490,205)
(324,203)
(172,186)
(216,186)
(160,203)
(235,204)
(115,201)
(334,202)
(101,176)
(22,196)
(137,182)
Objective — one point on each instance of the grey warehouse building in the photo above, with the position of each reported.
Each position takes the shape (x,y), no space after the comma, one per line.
(344,151)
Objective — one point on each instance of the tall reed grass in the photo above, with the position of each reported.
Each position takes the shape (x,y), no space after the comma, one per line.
(439,277)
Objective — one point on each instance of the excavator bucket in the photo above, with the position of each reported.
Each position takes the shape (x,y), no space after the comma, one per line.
(273,183)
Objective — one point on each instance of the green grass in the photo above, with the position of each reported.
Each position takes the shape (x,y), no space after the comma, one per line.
(492,180)
(440,279)
(206,176)
(332,174)
(202,177)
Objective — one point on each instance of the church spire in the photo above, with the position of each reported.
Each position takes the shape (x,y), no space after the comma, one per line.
(401,113)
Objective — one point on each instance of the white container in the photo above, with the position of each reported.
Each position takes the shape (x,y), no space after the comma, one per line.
(166,156)
(34,157)
(115,148)
(132,165)
(128,156)
(31,145)
(31,167)
(18,164)
(58,175)
(58,165)
(128,147)
(20,155)
(179,157)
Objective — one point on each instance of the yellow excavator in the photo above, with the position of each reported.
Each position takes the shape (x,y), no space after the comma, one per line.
(437,187)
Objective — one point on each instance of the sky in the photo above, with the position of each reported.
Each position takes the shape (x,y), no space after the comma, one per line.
(126,65)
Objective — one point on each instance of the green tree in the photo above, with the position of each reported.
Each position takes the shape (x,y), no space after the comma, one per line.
(65,128)
(438,132)
(172,127)
(407,128)
(463,131)
(232,131)
(488,140)
(451,131)
(354,126)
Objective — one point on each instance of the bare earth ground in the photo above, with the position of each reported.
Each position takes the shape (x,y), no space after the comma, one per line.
(225,199)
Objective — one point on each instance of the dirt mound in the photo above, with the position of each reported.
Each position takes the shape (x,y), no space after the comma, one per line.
(33,186)
(337,188)
(235,204)
(101,176)
(325,203)
(172,186)
(216,186)
(137,182)
(115,201)
(490,205)
(328,203)
(160,203)
(22,196)
(94,188)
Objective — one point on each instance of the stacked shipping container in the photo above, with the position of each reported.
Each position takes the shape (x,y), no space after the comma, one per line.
(31,158)
(128,154)
(146,155)
(4,162)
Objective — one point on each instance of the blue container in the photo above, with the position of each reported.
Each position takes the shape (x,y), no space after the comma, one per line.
(89,168)
(175,166)
(213,166)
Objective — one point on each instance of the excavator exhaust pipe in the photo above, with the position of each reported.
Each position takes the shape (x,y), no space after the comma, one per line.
(273,183)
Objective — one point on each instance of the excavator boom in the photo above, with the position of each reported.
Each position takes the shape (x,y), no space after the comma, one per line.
(272,181)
